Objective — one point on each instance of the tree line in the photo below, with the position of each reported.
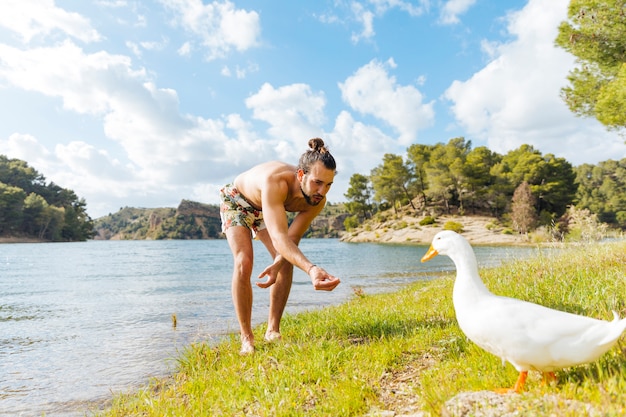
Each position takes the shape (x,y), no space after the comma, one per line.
(30,207)
(523,186)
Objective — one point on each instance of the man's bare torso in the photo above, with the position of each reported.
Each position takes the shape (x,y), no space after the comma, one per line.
(251,183)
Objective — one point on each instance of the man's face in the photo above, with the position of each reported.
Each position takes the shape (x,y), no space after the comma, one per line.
(316,183)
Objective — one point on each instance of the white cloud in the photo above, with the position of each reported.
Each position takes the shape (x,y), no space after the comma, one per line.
(226,71)
(24,147)
(452,9)
(138,48)
(352,138)
(410,7)
(240,72)
(515,100)
(33,18)
(292,111)
(153,45)
(364,13)
(82,81)
(134,47)
(366,18)
(144,119)
(85,161)
(164,149)
(114,4)
(358,146)
(219,26)
(372,91)
(185,49)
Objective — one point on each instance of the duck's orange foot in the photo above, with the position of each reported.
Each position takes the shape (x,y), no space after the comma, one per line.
(518,387)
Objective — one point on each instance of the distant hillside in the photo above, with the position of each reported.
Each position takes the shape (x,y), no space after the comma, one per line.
(193,220)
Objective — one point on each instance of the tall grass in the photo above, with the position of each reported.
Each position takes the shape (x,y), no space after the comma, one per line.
(335,361)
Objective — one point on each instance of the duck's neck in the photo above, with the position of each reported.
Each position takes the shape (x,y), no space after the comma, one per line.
(468,280)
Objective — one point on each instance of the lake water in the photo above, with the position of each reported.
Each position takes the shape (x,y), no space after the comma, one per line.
(82,321)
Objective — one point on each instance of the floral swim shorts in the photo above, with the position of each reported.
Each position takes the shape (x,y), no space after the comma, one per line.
(235,210)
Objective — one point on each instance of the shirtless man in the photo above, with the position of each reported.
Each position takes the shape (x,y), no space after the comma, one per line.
(255,205)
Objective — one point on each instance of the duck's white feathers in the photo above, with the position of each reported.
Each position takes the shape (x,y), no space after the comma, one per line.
(529,336)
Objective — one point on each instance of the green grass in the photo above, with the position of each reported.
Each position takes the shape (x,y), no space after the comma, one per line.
(334,361)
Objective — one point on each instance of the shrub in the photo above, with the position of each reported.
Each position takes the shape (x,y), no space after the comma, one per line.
(400,225)
(427,220)
(491,226)
(454,226)
(351,222)
(382,217)
(620,216)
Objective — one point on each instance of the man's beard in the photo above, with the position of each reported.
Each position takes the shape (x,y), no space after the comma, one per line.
(308,199)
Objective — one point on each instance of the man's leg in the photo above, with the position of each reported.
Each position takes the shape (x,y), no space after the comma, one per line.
(279,293)
(240,242)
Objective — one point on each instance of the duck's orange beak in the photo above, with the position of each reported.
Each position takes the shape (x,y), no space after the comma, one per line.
(430,254)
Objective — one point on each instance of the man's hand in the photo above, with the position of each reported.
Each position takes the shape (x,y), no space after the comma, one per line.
(322,280)
(271,272)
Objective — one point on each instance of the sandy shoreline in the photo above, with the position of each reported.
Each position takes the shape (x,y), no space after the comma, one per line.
(478,230)
(20,240)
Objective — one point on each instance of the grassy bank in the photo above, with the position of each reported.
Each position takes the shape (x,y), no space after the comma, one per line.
(400,351)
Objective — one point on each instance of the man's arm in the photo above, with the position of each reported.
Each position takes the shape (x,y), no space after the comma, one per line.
(283,237)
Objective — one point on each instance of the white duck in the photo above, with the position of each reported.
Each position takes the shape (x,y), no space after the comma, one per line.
(529,336)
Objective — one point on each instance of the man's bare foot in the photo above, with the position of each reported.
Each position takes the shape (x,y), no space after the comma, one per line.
(247,347)
(272,336)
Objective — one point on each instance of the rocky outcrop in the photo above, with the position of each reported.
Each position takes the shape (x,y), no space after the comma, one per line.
(327,226)
(154,220)
(193,208)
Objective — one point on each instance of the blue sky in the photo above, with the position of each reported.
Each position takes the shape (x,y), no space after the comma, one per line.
(146,103)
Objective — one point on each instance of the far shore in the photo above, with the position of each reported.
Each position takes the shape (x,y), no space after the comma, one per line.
(15,239)
(478,230)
